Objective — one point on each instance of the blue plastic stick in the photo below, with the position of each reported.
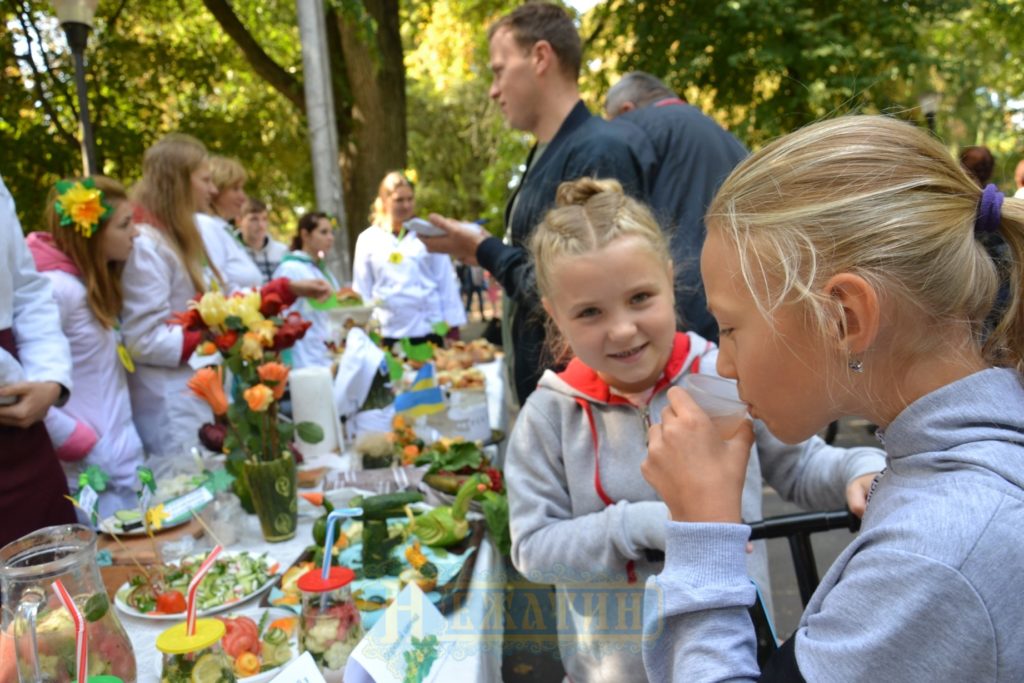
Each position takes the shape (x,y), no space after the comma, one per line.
(335,515)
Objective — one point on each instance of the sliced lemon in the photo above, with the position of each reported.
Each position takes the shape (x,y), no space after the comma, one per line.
(209,669)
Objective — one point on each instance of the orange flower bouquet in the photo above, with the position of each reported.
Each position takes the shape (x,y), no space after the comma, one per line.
(246,334)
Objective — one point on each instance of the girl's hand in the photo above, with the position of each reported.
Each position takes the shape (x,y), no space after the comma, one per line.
(857,493)
(698,475)
(313,288)
(34,399)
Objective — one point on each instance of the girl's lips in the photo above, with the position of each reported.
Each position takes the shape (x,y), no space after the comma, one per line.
(629,353)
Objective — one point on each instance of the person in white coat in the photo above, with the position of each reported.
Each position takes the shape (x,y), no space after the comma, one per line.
(215,223)
(413,290)
(35,374)
(83,264)
(313,239)
(167,268)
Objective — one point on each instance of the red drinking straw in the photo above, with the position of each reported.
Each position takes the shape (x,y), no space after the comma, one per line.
(81,639)
(193,588)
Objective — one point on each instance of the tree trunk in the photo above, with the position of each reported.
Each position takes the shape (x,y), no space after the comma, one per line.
(377,141)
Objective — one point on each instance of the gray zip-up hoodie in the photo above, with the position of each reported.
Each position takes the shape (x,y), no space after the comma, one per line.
(582,514)
(929,590)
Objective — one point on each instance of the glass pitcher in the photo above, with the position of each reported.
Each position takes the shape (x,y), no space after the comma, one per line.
(40,628)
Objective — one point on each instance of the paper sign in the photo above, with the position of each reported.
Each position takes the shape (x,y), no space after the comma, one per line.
(197,361)
(87,499)
(180,508)
(301,670)
(409,644)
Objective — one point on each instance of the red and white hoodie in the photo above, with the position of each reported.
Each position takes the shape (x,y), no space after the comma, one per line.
(582,515)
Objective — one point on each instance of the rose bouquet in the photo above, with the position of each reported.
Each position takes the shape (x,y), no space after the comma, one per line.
(246,334)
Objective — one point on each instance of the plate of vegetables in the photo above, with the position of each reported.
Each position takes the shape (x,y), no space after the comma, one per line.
(234,578)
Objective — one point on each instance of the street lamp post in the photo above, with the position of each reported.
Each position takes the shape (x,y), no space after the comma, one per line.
(930,106)
(75,18)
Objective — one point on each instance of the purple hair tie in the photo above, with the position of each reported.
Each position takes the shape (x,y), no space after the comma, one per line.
(989,210)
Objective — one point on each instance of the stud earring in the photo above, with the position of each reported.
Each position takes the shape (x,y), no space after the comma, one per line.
(855,365)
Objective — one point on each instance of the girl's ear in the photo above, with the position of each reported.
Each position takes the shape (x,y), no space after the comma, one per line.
(547,307)
(859,308)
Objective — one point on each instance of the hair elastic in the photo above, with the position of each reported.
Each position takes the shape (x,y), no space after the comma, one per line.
(81,205)
(989,210)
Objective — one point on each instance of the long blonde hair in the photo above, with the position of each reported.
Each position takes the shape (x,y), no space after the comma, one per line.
(102,278)
(879,198)
(391,182)
(589,214)
(165,192)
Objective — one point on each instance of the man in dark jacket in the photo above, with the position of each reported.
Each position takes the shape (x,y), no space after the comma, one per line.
(694,155)
(535,56)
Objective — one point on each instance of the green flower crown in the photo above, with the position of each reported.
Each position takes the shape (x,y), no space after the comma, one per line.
(80,204)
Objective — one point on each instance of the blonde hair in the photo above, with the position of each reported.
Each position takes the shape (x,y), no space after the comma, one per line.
(391,182)
(165,192)
(226,172)
(101,277)
(589,214)
(881,199)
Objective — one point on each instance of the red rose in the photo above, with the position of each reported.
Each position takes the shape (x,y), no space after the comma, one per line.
(271,304)
(496,481)
(292,329)
(225,341)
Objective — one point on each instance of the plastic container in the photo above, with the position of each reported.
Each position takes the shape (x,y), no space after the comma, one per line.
(718,398)
(197,658)
(330,626)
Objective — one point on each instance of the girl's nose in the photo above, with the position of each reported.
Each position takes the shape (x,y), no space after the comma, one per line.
(725,366)
(623,327)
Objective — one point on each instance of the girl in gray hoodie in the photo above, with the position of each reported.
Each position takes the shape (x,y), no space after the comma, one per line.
(582,517)
(843,268)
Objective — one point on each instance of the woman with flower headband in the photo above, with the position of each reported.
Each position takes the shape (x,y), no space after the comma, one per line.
(168,267)
(88,238)
(35,374)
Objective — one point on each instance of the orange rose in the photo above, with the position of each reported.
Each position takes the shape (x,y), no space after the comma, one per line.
(259,397)
(275,375)
(208,384)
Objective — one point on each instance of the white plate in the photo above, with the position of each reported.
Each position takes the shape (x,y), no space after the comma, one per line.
(109,526)
(275,613)
(235,604)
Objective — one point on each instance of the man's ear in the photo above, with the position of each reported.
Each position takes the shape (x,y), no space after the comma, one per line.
(543,56)
(858,307)
(627,106)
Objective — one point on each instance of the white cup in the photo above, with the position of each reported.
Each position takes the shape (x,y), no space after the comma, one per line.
(718,398)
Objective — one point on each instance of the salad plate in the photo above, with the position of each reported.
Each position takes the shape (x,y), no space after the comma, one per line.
(116,524)
(234,578)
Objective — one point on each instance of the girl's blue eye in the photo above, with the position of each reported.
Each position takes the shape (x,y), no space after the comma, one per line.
(725,331)
(587,313)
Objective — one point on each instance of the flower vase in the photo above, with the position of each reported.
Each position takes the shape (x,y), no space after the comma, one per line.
(272,485)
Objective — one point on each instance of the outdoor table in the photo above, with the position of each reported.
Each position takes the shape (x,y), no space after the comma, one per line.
(476,624)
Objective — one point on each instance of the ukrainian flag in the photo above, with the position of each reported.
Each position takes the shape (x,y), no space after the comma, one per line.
(424,398)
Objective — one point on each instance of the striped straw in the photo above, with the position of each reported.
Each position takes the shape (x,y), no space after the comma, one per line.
(331,526)
(193,588)
(81,638)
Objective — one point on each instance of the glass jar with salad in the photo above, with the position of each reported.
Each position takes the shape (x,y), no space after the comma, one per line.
(330,626)
(198,658)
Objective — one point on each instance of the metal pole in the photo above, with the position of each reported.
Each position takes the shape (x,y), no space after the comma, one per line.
(323,138)
(78,35)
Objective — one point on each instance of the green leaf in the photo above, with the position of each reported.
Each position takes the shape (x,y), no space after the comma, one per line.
(94,477)
(417,352)
(286,430)
(310,432)
(395,369)
(440,329)
(95,607)
(495,507)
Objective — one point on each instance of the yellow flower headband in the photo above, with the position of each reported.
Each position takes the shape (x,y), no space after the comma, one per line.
(80,204)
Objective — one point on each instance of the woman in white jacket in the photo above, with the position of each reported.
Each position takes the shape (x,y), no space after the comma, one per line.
(313,239)
(413,289)
(215,223)
(168,267)
(83,262)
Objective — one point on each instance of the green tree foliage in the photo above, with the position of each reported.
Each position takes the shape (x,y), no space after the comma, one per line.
(765,67)
(460,148)
(152,68)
